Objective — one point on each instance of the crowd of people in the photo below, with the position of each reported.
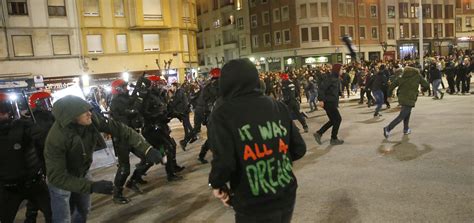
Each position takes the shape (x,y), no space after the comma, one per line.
(250,131)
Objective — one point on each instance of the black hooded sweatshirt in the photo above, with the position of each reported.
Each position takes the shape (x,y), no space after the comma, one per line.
(254,143)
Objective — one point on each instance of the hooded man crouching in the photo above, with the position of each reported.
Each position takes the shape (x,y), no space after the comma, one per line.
(68,155)
(254,142)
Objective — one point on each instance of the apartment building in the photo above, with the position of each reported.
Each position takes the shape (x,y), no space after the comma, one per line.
(224,32)
(39,37)
(136,36)
(274,34)
(464,24)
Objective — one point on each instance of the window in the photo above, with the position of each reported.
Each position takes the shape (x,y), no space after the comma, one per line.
(253,3)
(404,30)
(56,8)
(438,11)
(426,9)
(17,7)
(458,4)
(151,42)
(152,10)
(373,11)
(414,30)
(267,39)
(243,43)
(374,32)
(313,10)
(215,4)
(362,32)
(448,12)
(351,31)
(240,23)
(278,38)
(391,11)
(264,1)
(350,9)
(341,9)
(94,44)
(303,14)
(185,43)
(121,43)
(286,36)
(217,40)
(342,30)
(255,41)
(403,10)
(118,8)
(325,32)
(414,11)
(390,33)
(427,30)
(186,17)
(304,35)
(324,9)
(265,18)
(91,7)
(22,46)
(468,21)
(276,15)
(362,10)
(285,13)
(449,29)
(438,30)
(61,45)
(458,24)
(253,21)
(315,33)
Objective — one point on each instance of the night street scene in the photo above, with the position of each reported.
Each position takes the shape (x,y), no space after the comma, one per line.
(246,111)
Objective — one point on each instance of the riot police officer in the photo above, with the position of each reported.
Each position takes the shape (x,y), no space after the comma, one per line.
(290,99)
(123,109)
(21,169)
(156,130)
(40,104)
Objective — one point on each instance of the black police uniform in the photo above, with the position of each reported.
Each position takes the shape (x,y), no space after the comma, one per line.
(21,170)
(122,109)
(157,132)
(44,121)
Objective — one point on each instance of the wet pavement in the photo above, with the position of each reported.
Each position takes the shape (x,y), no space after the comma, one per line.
(427,176)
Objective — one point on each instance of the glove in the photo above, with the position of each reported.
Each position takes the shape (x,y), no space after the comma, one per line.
(154,156)
(102,187)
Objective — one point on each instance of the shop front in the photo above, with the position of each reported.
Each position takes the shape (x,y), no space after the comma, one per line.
(315,60)
(465,43)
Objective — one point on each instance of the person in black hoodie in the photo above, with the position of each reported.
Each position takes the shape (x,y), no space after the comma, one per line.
(329,100)
(254,142)
(378,85)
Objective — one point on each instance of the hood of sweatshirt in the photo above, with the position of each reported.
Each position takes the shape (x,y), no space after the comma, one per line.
(238,78)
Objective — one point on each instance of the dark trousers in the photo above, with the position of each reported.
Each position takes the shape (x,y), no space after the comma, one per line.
(158,138)
(458,84)
(280,216)
(294,108)
(451,84)
(465,84)
(362,92)
(11,196)
(368,94)
(347,88)
(403,116)
(334,120)
(188,128)
(122,151)
(385,95)
(379,96)
(204,148)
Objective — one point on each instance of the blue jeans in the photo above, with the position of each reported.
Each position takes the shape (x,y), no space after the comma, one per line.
(403,116)
(378,95)
(312,100)
(436,89)
(69,207)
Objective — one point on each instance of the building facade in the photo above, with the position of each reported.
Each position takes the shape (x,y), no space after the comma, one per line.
(224,32)
(464,24)
(136,36)
(39,37)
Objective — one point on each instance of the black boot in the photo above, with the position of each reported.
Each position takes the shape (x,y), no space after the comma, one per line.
(178,169)
(141,181)
(174,177)
(118,196)
(133,185)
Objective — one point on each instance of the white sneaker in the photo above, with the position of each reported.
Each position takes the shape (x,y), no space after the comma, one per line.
(407,132)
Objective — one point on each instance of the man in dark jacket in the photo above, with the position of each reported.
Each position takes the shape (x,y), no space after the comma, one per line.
(290,98)
(21,166)
(450,73)
(68,155)
(180,108)
(377,85)
(407,84)
(435,79)
(328,98)
(254,143)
